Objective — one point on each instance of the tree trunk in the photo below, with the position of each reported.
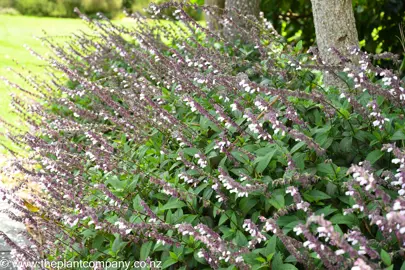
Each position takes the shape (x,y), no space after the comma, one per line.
(241,7)
(212,19)
(335,26)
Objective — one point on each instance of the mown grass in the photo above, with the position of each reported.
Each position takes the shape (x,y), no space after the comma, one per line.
(15,31)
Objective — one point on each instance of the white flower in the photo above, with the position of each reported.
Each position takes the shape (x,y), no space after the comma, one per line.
(396,160)
(376,123)
(340,252)
(291,190)
(297,230)
(200,254)
(397,206)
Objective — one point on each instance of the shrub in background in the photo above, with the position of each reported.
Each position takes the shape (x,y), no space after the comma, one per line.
(94,6)
(170,143)
(6,3)
(64,8)
(9,11)
(33,7)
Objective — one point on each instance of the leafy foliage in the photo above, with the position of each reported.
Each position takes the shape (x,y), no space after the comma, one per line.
(377,22)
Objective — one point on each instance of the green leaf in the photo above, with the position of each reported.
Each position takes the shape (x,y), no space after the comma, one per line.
(349,220)
(174,256)
(374,156)
(115,182)
(239,156)
(263,151)
(290,259)
(277,262)
(240,239)
(191,151)
(277,200)
(271,245)
(246,204)
(131,187)
(168,262)
(345,113)
(346,144)
(145,250)
(260,259)
(386,258)
(223,219)
(284,220)
(173,204)
(288,266)
(89,233)
(315,195)
(263,162)
(118,243)
(137,203)
(325,168)
(298,47)
(326,211)
(98,241)
(142,150)
(269,257)
(299,160)
(297,147)
(331,189)
(399,135)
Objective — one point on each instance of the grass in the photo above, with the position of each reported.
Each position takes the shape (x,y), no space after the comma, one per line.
(15,31)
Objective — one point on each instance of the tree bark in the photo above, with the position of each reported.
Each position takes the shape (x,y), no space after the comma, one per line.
(335,26)
(212,19)
(241,7)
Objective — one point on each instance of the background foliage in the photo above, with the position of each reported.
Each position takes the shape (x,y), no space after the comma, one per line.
(377,22)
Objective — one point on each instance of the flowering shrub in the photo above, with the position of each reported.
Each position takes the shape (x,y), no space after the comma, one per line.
(171,143)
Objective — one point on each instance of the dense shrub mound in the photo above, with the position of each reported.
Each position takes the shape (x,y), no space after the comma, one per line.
(170,143)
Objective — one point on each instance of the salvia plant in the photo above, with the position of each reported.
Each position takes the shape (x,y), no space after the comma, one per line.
(165,141)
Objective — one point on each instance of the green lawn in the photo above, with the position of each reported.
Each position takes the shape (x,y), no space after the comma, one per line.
(15,31)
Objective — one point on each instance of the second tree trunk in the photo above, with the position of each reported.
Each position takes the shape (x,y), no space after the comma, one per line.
(335,27)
